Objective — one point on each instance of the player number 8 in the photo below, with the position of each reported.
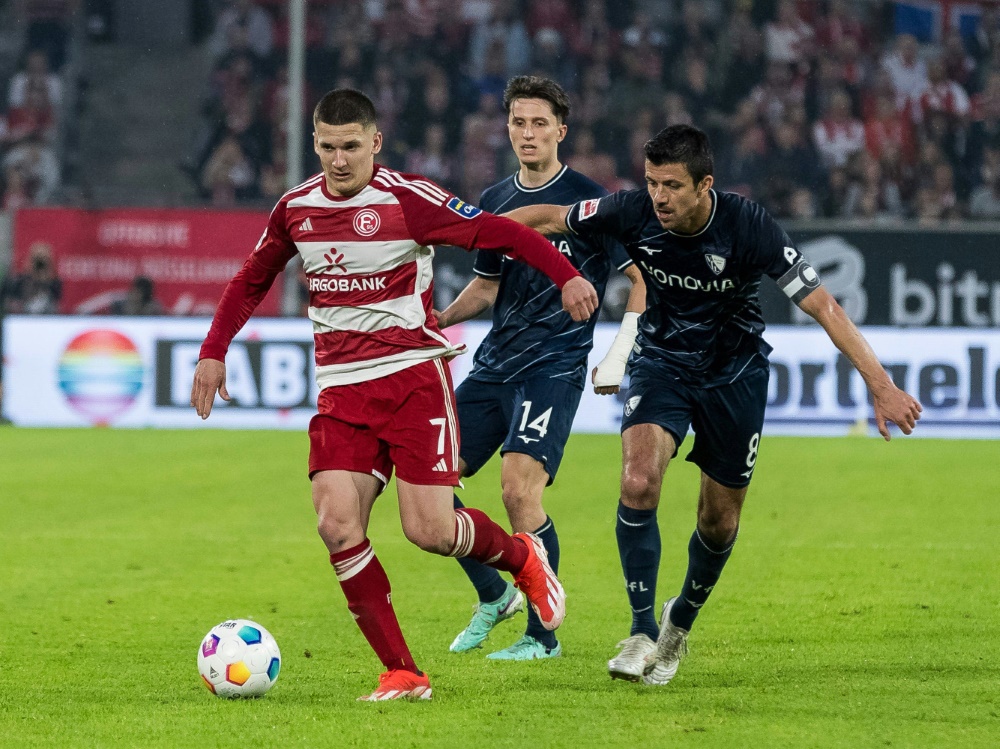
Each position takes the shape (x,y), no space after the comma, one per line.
(752,455)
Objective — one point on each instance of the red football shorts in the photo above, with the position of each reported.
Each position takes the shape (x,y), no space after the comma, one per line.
(406,420)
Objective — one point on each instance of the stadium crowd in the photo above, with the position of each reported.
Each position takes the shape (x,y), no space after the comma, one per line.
(817,108)
(30,110)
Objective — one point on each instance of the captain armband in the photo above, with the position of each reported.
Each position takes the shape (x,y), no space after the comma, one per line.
(799,281)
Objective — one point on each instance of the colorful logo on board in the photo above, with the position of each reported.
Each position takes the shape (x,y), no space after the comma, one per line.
(100,373)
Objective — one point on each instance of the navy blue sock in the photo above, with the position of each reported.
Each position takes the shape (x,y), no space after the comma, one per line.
(639,548)
(551,542)
(487,581)
(705,563)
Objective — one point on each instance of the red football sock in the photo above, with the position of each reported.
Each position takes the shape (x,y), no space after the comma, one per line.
(366,588)
(479,538)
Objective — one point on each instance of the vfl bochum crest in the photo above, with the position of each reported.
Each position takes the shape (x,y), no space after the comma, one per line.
(716,262)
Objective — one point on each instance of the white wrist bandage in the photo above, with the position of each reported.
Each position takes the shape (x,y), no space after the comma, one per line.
(611,370)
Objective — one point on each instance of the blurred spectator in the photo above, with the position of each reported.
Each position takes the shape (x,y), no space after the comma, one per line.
(249,21)
(906,69)
(841,24)
(17,190)
(549,60)
(139,300)
(48,23)
(936,199)
(959,65)
(744,69)
(789,38)
(834,194)
(432,159)
(886,128)
(839,135)
(790,167)
(984,203)
(35,74)
(37,289)
(693,33)
(505,24)
(38,163)
(33,118)
(943,95)
(871,195)
(776,92)
(229,174)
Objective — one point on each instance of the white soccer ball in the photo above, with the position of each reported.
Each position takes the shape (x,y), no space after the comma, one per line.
(239,658)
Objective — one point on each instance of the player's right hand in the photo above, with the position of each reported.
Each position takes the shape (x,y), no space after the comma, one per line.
(579,298)
(209,379)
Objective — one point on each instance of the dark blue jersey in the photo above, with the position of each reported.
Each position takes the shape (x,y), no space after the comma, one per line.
(531,335)
(702,318)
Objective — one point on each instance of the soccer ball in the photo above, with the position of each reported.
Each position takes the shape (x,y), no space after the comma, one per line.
(239,658)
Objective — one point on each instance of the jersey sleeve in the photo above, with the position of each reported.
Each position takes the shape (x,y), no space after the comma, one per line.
(250,285)
(488,264)
(619,258)
(442,218)
(606,215)
(776,255)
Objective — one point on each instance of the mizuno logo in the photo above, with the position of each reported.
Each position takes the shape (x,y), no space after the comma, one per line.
(650,250)
(306,225)
(527,439)
(441,466)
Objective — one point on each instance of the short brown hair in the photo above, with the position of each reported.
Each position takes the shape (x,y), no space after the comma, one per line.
(345,106)
(536,87)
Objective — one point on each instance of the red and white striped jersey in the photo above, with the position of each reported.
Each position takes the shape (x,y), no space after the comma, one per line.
(367,260)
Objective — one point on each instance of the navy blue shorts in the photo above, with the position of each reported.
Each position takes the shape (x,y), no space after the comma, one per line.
(727,419)
(533,417)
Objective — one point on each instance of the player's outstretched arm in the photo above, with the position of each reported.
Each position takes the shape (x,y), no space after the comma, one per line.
(478,296)
(545,219)
(891,403)
(209,379)
(608,375)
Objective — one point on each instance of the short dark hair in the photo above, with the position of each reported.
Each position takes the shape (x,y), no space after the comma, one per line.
(536,87)
(345,106)
(682,144)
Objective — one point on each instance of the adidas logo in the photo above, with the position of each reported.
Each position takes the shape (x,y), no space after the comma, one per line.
(441,466)
(306,225)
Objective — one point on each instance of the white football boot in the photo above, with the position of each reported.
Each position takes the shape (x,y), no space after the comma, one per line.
(661,664)
(630,662)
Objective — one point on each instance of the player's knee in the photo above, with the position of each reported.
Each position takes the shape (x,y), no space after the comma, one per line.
(519,499)
(429,536)
(718,525)
(640,489)
(338,534)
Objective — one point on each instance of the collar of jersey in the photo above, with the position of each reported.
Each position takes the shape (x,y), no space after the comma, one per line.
(522,188)
(702,230)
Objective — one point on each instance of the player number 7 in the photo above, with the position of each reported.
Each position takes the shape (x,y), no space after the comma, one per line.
(440,422)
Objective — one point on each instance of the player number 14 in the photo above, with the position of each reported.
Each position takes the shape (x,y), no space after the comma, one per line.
(540,425)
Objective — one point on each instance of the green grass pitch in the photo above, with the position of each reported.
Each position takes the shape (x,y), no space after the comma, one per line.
(860,608)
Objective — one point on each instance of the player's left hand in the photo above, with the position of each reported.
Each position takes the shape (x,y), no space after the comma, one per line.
(209,379)
(607,377)
(897,406)
(579,298)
